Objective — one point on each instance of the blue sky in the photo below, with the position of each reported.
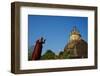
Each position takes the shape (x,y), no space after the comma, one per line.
(55,29)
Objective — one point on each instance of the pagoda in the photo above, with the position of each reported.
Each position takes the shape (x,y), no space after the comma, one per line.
(76,46)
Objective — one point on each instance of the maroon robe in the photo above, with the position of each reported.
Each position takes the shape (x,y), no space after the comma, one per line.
(37,50)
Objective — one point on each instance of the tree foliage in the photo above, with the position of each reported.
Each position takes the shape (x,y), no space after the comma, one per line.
(51,55)
(48,55)
(66,55)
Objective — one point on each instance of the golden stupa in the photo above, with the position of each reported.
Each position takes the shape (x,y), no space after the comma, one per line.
(76,47)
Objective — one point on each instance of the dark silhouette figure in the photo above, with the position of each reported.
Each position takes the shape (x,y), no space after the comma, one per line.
(38,49)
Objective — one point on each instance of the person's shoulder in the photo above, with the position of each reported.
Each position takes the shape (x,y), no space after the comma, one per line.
(38,40)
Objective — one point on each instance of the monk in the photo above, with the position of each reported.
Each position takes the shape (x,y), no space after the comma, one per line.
(38,49)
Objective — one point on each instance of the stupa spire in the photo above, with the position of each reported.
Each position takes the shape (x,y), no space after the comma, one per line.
(75,34)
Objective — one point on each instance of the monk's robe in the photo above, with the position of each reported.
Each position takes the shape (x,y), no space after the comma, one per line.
(37,50)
